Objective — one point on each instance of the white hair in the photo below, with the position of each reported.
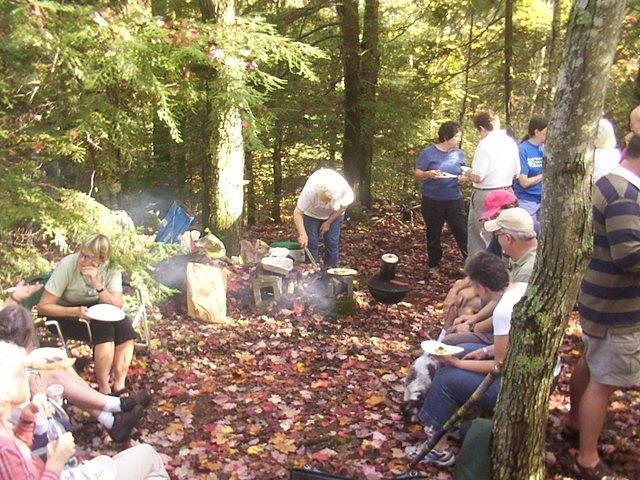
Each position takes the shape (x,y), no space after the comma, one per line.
(330,190)
(605,136)
(13,358)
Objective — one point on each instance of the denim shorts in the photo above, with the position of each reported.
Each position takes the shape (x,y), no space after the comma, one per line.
(614,359)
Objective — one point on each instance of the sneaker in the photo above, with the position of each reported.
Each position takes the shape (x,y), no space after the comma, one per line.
(124,422)
(130,400)
(444,458)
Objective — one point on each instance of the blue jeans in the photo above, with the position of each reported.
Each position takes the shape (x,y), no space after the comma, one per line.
(452,387)
(331,239)
(532,208)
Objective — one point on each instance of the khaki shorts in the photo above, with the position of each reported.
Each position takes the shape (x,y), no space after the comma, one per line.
(615,359)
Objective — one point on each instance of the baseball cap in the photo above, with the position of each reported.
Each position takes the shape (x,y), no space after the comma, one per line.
(494,202)
(516,219)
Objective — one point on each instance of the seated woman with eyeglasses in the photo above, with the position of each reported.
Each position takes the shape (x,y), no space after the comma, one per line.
(83,279)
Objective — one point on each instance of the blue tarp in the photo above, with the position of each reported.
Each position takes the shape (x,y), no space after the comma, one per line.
(176,222)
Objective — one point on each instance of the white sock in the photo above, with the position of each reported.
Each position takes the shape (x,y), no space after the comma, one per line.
(106,419)
(112,404)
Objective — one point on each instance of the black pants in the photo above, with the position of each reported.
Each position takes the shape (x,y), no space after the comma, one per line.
(435,213)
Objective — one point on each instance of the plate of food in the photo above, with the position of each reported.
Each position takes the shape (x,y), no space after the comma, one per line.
(105,313)
(434,347)
(446,175)
(342,272)
(48,358)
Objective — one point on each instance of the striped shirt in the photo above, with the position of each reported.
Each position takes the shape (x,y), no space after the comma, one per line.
(15,464)
(610,290)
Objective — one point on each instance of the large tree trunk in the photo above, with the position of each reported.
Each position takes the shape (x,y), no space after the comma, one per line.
(276,158)
(552,56)
(349,26)
(369,68)
(539,320)
(508,58)
(223,201)
(251,189)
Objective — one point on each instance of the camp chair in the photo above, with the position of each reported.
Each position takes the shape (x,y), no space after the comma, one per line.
(175,223)
(136,311)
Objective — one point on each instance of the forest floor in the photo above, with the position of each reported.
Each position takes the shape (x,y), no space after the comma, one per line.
(268,391)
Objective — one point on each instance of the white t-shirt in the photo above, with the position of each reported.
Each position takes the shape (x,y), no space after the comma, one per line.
(604,160)
(309,200)
(504,308)
(496,160)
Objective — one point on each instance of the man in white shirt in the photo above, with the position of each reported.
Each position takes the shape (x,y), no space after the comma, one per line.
(320,212)
(496,163)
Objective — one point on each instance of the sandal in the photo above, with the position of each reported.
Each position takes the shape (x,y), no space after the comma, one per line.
(600,471)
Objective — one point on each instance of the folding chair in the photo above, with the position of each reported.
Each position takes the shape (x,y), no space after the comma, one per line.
(137,312)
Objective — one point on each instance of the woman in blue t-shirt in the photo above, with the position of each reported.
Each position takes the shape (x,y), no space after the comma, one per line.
(528,185)
(438,167)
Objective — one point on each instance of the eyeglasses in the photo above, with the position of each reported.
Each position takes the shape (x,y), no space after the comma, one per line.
(95,261)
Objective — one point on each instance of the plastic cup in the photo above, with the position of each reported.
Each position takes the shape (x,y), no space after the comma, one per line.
(55,393)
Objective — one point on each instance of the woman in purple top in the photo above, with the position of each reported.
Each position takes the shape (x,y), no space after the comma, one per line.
(439,168)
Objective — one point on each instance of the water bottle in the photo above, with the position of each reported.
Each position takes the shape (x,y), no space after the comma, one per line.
(54,432)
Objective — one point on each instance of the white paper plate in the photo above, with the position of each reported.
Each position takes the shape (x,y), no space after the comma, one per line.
(48,358)
(446,175)
(105,313)
(438,348)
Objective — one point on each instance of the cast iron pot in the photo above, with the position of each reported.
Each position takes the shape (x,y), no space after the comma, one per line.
(387,292)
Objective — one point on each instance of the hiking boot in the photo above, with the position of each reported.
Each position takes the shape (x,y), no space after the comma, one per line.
(130,400)
(124,422)
(445,458)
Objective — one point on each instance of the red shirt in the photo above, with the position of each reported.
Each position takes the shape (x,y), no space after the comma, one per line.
(14,465)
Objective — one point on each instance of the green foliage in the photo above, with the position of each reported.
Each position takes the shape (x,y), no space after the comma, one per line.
(51,222)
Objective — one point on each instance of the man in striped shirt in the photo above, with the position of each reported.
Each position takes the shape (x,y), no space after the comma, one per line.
(609,305)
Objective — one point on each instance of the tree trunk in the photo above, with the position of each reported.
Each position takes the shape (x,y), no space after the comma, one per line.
(508,57)
(251,189)
(539,320)
(276,159)
(223,201)
(349,26)
(467,68)
(369,69)
(552,56)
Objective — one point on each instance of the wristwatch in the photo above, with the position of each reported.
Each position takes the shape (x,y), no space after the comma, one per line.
(100,290)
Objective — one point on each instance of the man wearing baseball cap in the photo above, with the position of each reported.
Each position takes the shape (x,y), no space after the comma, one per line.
(461,298)
(513,229)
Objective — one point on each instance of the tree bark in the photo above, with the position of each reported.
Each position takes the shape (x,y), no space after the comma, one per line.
(552,56)
(349,26)
(223,196)
(508,58)
(539,320)
(251,189)
(369,69)
(276,159)
(467,69)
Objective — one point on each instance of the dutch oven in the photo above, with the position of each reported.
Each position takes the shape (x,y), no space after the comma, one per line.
(387,292)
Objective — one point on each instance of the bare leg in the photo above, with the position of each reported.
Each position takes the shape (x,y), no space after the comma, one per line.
(593,410)
(579,380)
(121,361)
(76,390)
(103,355)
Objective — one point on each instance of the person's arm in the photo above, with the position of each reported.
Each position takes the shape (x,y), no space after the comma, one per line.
(298,221)
(326,225)
(48,306)
(526,182)
(473,319)
(479,165)
(426,175)
(21,292)
(105,295)
(622,223)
